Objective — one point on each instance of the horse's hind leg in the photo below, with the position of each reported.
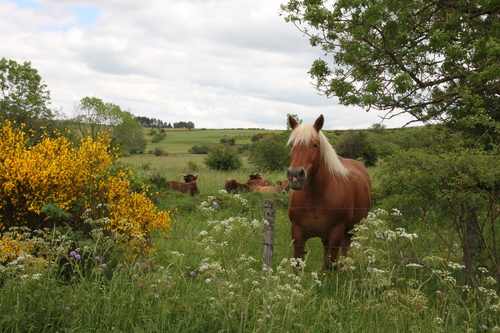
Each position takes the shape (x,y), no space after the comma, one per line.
(346,245)
(331,253)
(332,245)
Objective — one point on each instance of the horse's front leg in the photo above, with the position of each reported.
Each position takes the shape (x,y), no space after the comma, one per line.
(299,242)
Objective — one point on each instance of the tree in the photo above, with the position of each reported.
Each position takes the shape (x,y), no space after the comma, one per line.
(223,159)
(93,116)
(435,60)
(131,136)
(454,192)
(151,122)
(23,95)
(270,153)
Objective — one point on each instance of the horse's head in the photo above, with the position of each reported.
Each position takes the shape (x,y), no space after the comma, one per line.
(305,159)
(311,151)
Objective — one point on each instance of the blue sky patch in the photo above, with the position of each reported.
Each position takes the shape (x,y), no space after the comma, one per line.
(86,15)
(26,3)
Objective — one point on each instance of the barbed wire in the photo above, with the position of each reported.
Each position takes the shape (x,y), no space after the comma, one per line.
(262,207)
(291,245)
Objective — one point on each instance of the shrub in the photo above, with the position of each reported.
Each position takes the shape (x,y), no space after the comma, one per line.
(158,180)
(223,159)
(158,151)
(54,183)
(160,136)
(203,149)
(270,153)
(193,166)
(355,145)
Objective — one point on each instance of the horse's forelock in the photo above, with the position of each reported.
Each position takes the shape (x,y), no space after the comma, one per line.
(302,134)
(305,133)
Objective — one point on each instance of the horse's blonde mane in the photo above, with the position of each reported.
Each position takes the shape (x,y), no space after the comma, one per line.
(303,134)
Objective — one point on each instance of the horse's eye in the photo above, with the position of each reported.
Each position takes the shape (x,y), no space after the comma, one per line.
(315,145)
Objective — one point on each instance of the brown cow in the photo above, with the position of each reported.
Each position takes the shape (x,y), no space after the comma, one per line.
(257,180)
(189,186)
(232,186)
(285,184)
(269,189)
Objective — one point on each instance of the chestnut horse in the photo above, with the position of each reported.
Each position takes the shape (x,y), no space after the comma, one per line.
(329,194)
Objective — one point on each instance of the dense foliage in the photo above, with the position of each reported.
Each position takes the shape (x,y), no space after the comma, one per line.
(457,188)
(270,153)
(93,116)
(57,184)
(436,60)
(355,145)
(24,97)
(222,158)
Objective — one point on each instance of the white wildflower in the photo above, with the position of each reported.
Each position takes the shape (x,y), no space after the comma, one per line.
(414,265)
(455,265)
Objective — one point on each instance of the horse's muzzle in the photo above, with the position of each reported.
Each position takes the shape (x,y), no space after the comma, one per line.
(296,177)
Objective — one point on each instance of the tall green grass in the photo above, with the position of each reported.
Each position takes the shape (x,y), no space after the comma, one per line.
(207,276)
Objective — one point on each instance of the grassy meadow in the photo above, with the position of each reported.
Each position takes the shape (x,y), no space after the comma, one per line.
(207,275)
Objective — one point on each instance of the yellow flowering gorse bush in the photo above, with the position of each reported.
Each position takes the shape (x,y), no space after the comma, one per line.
(76,179)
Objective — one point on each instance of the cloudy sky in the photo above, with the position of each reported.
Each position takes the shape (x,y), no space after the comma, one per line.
(217,63)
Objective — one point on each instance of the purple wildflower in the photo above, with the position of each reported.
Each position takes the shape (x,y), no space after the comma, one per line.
(97,258)
(192,273)
(72,253)
(484,327)
(439,292)
(138,264)
(77,256)
(139,286)
(67,309)
(104,266)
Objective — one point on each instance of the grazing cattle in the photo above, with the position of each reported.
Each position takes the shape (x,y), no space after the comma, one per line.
(329,196)
(278,189)
(257,180)
(189,186)
(189,177)
(285,184)
(232,186)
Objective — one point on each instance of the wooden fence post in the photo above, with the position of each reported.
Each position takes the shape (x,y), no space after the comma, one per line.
(268,233)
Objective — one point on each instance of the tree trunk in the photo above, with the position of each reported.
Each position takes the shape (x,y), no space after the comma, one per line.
(470,245)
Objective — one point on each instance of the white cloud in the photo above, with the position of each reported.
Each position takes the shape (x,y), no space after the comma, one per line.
(218,63)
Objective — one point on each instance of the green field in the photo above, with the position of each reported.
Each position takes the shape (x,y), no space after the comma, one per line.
(179,141)
(206,274)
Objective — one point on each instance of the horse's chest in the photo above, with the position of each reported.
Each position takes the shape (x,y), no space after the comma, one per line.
(313,213)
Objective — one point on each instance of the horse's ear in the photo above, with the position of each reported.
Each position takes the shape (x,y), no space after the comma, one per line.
(318,124)
(292,122)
